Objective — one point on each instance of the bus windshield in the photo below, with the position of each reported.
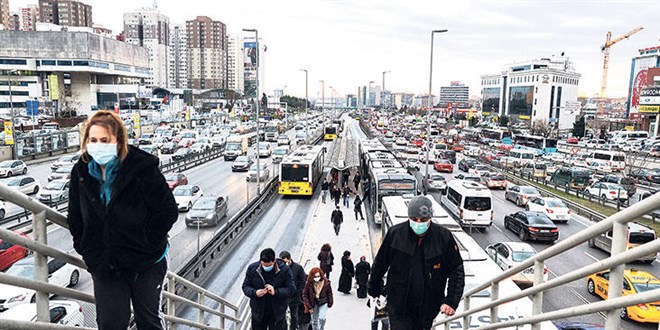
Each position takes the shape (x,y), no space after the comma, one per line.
(477,203)
(294,173)
(330,130)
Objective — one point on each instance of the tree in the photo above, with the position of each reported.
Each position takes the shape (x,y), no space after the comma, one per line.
(540,127)
(504,121)
(579,127)
(231,96)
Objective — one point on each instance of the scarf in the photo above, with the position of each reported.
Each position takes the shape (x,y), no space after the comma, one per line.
(318,287)
(111,172)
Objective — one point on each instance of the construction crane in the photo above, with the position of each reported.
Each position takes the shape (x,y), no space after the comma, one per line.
(606,61)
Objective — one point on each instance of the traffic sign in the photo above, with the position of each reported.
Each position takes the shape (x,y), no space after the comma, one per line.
(575,150)
(32,107)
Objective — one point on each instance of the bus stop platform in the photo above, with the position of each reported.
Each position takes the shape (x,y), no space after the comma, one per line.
(348,312)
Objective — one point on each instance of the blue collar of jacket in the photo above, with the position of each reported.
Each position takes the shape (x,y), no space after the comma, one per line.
(111,172)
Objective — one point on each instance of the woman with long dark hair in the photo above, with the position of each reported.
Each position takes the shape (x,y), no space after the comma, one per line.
(317,297)
(326,259)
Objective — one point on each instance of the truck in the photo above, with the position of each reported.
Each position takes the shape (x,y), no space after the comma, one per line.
(273,130)
(237,145)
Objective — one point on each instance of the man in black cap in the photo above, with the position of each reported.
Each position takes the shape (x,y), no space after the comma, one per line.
(421,259)
(269,285)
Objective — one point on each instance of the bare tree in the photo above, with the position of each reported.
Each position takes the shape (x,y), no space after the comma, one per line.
(541,127)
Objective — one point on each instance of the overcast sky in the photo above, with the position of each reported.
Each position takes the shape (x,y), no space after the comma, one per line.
(347,43)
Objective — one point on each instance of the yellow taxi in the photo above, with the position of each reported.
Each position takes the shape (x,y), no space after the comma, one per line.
(635,281)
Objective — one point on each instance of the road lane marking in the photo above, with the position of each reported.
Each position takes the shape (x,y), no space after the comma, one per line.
(592,257)
(581,297)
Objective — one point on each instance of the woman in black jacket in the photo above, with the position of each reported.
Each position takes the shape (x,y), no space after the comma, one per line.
(326,259)
(347,273)
(120,211)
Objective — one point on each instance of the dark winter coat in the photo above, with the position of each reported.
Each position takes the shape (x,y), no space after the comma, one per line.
(299,278)
(130,233)
(337,217)
(362,271)
(323,261)
(309,296)
(346,277)
(358,204)
(442,263)
(325,185)
(282,282)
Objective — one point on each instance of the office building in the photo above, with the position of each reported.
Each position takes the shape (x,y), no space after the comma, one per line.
(207,53)
(4,15)
(235,64)
(528,91)
(29,18)
(455,96)
(644,89)
(65,13)
(178,57)
(149,28)
(351,101)
(403,100)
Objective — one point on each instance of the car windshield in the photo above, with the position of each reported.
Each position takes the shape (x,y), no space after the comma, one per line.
(64,169)
(643,287)
(171,177)
(12,181)
(54,185)
(498,177)
(538,219)
(529,190)
(241,159)
(65,159)
(279,152)
(556,203)
(204,204)
(477,203)
(438,178)
(24,270)
(6,164)
(179,191)
(520,256)
(181,151)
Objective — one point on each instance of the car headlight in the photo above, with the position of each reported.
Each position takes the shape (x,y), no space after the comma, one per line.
(18,298)
(210,216)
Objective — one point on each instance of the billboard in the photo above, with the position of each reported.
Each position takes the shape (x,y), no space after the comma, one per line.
(638,80)
(53,87)
(250,67)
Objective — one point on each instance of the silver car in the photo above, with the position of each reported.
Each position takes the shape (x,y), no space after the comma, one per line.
(521,194)
(12,167)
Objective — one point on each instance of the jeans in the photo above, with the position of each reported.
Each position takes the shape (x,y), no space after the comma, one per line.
(384,322)
(346,201)
(318,317)
(323,194)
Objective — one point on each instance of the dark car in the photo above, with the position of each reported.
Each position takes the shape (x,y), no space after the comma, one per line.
(531,225)
(626,182)
(168,148)
(241,164)
(10,253)
(642,174)
(466,163)
(206,211)
(176,179)
(182,153)
(449,155)
(578,326)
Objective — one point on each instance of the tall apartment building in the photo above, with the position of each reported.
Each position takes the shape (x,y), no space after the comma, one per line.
(14,22)
(207,53)
(4,14)
(456,94)
(65,12)
(29,18)
(235,64)
(149,28)
(178,57)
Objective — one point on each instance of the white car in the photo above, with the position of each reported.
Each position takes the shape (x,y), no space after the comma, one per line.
(437,182)
(264,173)
(63,172)
(554,208)
(12,167)
(479,170)
(65,160)
(599,166)
(63,312)
(401,142)
(218,141)
(283,139)
(198,148)
(510,254)
(186,196)
(279,153)
(25,184)
(265,149)
(301,138)
(59,273)
(54,191)
(605,190)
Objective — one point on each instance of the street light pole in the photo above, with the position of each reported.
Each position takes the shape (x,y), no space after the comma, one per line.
(306,107)
(383,91)
(256,36)
(323,101)
(13,115)
(428,116)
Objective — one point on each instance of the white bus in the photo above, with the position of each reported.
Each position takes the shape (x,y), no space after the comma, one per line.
(616,159)
(622,137)
(470,202)
(522,156)
(395,211)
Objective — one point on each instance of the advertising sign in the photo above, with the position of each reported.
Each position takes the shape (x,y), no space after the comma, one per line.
(53,87)
(250,65)
(649,108)
(639,80)
(72,139)
(136,121)
(9,135)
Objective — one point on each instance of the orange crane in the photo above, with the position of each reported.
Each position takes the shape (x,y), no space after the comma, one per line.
(606,61)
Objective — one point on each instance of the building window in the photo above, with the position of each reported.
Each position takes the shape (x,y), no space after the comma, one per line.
(64,63)
(12,61)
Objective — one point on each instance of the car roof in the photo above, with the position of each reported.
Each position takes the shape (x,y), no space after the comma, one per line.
(519,246)
(639,276)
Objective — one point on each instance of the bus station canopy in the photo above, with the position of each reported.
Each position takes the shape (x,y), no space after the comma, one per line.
(344,152)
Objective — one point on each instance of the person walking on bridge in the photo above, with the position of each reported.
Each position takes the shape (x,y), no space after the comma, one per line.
(421,259)
(358,207)
(269,285)
(337,218)
(362,271)
(120,211)
(347,273)
(326,259)
(317,297)
(295,302)
(324,190)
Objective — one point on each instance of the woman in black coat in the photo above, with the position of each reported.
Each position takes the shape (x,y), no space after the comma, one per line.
(326,259)
(347,273)
(362,271)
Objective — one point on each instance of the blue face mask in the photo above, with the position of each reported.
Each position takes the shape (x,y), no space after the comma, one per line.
(267,269)
(102,153)
(419,227)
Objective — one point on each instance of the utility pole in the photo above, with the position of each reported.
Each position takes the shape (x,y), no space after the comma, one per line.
(256,35)
(323,101)
(428,116)
(13,115)
(306,107)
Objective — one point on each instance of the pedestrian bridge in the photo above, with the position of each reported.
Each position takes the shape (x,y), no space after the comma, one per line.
(183,293)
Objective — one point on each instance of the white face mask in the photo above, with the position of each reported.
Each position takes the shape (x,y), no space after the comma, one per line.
(317,279)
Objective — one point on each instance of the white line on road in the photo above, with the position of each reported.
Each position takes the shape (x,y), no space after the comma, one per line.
(592,257)
(581,297)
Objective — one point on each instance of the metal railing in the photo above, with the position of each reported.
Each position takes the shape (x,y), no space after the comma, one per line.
(227,312)
(615,263)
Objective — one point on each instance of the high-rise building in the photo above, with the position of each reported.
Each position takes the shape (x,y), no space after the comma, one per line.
(235,65)
(65,13)
(207,53)
(178,57)
(528,91)
(29,18)
(149,28)
(4,14)
(14,22)
(456,94)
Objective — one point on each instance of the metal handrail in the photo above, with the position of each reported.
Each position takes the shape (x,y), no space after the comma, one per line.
(42,288)
(618,222)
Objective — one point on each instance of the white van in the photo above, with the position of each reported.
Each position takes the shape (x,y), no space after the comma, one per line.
(522,156)
(472,151)
(616,159)
(622,137)
(470,202)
